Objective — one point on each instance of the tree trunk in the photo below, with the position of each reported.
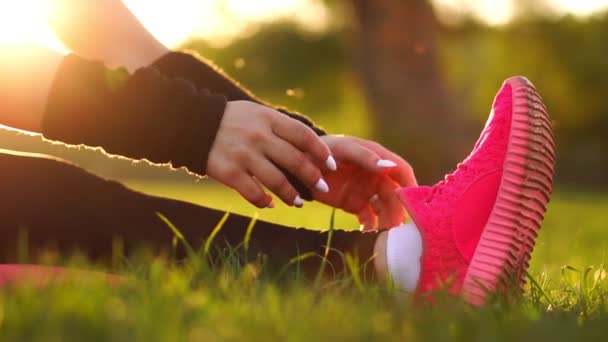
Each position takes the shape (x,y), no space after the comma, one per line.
(396,53)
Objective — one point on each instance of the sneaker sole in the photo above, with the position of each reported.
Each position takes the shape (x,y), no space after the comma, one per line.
(506,243)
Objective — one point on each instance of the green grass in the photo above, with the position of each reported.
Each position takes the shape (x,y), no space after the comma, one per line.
(194,301)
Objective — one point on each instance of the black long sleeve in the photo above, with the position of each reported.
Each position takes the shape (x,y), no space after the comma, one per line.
(206,75)
(141,116)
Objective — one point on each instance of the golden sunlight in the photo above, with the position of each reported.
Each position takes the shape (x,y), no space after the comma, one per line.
(220,21)
(582,7)
(172,22)
(493,12)
(25,21)
(22,20)
(499,12)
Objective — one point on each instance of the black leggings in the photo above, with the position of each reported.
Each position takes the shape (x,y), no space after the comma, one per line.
(62,205)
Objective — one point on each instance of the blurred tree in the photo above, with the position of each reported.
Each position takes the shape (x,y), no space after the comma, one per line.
(397,56)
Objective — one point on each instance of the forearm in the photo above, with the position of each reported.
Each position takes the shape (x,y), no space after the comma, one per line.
(106,31)
(143,115)
(26,75)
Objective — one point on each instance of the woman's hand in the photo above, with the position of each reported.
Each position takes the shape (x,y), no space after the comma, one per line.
(365,181)
(251,139)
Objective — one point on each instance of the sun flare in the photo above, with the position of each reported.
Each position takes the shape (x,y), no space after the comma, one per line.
(22,20)
(25,21)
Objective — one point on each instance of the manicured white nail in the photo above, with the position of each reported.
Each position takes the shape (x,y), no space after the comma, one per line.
(322,185)
(298,201)
(331,163)
(385,163)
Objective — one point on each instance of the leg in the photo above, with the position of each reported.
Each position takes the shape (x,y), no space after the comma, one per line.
(62,204)
(105,31)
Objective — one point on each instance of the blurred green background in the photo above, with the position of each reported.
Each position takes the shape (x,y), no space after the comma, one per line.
(418,76)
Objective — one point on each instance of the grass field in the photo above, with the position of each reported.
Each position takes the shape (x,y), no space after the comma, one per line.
(193,302)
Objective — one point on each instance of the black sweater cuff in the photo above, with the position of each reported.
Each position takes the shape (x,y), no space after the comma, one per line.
(141,116)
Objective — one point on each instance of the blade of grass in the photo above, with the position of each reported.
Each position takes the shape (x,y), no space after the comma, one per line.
(214,233)
(539,288)
(293,260)
(330,233)
(250,230)
(189,250)
(352,262)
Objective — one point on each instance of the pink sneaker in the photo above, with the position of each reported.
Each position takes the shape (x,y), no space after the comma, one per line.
(479,225)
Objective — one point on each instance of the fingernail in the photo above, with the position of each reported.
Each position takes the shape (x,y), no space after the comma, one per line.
(331,163)
(322,185)
(270,205)
(374,198)
(298,201)
(385,163)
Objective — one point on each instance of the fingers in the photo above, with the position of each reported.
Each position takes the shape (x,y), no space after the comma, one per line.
(361,156)
(246,186)
(404,175)
(271,177)
(358,190)
(371,161)
(402,172)
(251,190)
(298,164)
(387,205)
(367,218)
(304,139)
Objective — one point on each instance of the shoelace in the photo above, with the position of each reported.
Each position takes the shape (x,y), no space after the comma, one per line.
(437,189)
